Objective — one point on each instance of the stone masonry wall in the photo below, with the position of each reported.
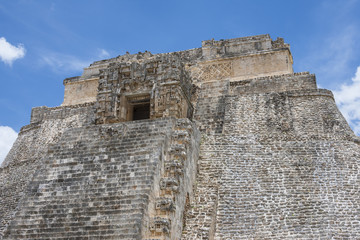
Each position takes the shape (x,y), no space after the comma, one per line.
(107,181)
(239,59)
(176,183)
(210,106)
(80,91)
(285,166)
(28,152)
(275,83)
(94,184)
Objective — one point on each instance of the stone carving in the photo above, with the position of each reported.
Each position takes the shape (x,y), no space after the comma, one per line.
(157,83)
(160,225)
(165,204)
(212,71)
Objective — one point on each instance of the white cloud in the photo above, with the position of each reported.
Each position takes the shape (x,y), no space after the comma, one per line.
(331,58)
(103,54)
(62,62)
(348,100)
(7,138)
(9,53)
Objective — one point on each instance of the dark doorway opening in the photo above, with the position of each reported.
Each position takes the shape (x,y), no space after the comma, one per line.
(141,111)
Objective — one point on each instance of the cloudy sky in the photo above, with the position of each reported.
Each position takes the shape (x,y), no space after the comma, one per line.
(44,41)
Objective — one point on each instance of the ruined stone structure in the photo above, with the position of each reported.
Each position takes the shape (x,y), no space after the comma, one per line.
(218,142)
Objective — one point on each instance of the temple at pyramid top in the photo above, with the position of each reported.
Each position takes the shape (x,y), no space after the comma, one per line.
(146,85)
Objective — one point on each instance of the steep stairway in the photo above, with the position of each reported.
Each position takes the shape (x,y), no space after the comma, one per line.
(97,183)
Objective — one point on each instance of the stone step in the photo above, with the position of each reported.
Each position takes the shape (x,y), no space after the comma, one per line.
(82,174)
(95,189)
(128,148)
(64,180)
(79,163)
(73,235)
(89,185)
(128,139)
(80,141)
(76,221)
(92,185)
(83,207)
(98,197)
(116,198)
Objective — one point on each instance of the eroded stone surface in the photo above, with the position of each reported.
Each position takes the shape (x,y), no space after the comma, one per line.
(218,142)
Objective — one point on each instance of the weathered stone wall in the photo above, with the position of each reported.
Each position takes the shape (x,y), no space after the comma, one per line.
(292,115)
(275,83)
(103,181)
(85,111)
(28,152)
(176,183)
(241,67)
(84,88)
(79,91)
(284,166)
(238,59)
(275,190)
(160,81)
(210,102)
(242,58)
(210,106)
(263,64)
(241,46)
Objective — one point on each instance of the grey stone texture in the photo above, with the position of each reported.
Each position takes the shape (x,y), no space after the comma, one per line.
(284,166)
(98,181)
(29,151)
(229,144)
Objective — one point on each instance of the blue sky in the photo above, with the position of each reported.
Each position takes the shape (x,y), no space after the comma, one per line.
(42,42)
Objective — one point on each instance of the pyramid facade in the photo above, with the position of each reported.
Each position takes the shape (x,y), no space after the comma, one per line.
(224,141)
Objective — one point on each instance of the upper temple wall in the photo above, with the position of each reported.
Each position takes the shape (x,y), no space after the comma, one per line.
(232,59)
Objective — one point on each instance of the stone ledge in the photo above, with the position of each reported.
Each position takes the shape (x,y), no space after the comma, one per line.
(241,82)
(79,79)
